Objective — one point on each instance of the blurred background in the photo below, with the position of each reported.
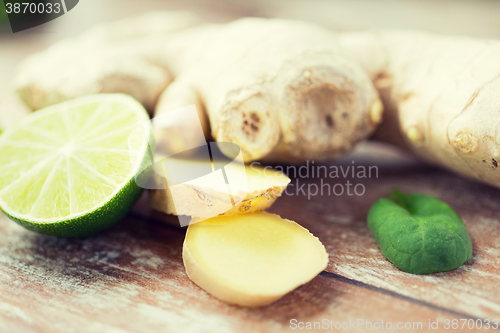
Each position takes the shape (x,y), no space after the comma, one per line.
(477,18)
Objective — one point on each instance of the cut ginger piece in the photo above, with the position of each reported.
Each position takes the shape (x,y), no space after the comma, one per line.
(251,259)
(250,188)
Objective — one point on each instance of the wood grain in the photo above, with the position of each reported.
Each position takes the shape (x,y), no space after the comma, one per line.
(131,278)
(340,223)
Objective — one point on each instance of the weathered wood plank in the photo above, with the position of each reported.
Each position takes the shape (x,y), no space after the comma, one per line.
(131,279)
(340,223)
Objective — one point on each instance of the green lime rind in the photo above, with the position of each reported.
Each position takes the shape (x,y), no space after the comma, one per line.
(101,218)
(112,209)
(92,222)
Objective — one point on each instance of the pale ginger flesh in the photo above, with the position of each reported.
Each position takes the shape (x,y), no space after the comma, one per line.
(251,259)
(253,188)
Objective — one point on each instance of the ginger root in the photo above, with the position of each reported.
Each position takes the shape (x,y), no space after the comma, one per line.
(251,259)
(282,90)
(441,96)
(118,57)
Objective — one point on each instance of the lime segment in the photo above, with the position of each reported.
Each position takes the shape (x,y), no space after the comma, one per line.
(68,170)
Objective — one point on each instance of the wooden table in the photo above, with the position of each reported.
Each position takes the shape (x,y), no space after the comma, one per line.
(130,278)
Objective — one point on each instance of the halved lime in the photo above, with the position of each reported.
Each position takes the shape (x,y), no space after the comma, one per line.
(69,170)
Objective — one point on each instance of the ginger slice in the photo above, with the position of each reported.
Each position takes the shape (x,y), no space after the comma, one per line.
(251,259)
(252,188)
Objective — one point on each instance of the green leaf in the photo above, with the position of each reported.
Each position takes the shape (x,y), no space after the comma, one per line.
(419,234)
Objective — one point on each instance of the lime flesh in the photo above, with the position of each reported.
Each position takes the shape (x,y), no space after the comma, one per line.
(69,170)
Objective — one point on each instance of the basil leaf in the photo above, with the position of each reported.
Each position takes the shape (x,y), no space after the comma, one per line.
(419,234)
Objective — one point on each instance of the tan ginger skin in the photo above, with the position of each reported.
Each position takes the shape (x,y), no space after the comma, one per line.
(441,96)
(282,90)
(440,92)
(279,89)
(117,57)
